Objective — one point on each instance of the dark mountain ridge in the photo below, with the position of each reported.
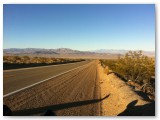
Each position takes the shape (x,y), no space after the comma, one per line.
(67,53)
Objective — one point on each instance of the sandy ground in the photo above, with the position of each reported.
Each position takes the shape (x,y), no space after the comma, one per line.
(122,99)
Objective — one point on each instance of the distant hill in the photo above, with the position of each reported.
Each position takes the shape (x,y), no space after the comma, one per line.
(69,53)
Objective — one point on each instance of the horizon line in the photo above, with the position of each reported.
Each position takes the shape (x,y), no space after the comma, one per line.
(81,50)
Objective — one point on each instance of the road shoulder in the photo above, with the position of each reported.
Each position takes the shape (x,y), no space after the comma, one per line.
(120,94)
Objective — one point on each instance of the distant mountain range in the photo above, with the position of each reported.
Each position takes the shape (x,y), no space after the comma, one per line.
(45,51)
(112,51)
(66,52)
(40,50)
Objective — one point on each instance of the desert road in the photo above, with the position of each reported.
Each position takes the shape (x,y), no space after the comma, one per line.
(71,93)
(20,78)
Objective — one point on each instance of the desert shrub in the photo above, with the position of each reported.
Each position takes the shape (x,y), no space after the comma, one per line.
(15,59)
(25,59)
(36,60)
(5,59)
(133,66)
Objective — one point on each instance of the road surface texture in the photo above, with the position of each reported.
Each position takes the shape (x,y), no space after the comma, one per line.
(75,93)
(20,78)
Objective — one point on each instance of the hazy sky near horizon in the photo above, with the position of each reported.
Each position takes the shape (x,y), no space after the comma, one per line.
(79,27)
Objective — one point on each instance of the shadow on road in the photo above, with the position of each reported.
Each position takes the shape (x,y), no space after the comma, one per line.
(33,111)
(141,110)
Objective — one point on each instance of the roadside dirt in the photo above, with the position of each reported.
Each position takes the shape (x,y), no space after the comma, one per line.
(122,99)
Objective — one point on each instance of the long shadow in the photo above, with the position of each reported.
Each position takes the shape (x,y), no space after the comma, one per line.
(141,110)
(143,95)
(39,110)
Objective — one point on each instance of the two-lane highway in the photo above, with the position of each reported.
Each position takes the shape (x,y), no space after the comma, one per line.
(19,78)
(73,93)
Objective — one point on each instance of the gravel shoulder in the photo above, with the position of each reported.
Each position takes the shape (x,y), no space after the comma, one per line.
(122,100)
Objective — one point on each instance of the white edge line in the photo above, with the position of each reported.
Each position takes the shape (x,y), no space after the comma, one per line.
(16,91)
(38,67)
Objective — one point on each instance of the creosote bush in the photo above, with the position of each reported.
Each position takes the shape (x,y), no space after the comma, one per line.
(133,66)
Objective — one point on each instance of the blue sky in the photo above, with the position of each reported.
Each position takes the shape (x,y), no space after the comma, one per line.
(80,27)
